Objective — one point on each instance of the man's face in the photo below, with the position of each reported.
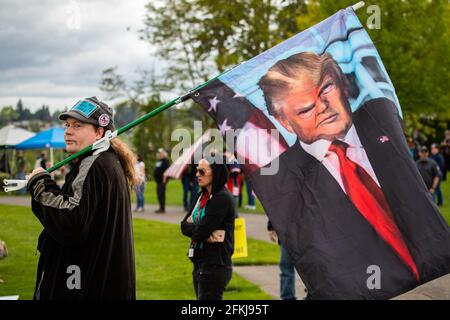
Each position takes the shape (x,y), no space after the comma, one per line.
(434,150)
(423,155)
(315,112)
(79,135)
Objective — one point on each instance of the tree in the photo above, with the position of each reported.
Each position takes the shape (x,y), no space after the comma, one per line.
(154,133)
(200,38)
(24,113)
(8,115)
(19,108)
(43,114)
(139,98)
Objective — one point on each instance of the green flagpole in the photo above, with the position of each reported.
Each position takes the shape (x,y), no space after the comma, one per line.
(103,144)
(12,185)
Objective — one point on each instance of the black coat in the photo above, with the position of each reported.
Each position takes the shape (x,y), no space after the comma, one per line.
(219,215)
(87,224)
(330,242)
(160,167)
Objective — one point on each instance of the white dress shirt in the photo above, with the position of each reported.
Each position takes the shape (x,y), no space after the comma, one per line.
(355,152)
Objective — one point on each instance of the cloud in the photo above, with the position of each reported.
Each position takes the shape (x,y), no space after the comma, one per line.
(53,52)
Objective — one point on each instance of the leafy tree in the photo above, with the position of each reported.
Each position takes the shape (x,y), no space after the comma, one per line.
(24,113)
(202,37)
(43,114)
(19,108)
(8,115)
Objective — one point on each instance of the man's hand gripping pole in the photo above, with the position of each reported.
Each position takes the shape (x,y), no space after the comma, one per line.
(101,145)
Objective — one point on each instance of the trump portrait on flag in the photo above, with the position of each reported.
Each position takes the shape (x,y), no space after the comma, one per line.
(346,198)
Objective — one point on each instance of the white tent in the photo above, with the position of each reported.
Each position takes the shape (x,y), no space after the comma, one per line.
(10,136)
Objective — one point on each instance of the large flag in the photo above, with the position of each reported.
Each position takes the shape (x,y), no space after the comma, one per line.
(320,135)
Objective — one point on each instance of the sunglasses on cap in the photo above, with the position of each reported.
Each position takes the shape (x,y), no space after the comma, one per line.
(85,107)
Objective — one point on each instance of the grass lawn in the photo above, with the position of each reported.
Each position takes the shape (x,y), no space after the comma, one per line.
(163,270)
(445,209)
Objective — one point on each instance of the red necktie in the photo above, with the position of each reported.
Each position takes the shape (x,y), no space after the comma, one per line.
(369,199)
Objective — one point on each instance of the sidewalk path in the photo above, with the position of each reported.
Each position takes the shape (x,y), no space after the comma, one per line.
(266,277)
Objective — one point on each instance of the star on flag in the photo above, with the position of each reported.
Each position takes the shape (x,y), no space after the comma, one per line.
(224,127)
(213,104)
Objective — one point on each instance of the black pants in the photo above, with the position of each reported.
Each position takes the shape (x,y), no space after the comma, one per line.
(210,281)
(161,190)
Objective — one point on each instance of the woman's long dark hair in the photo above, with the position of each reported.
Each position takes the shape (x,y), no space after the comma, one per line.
(219,170)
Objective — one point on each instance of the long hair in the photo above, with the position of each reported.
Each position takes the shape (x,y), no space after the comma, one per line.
(218,164)
(127,160)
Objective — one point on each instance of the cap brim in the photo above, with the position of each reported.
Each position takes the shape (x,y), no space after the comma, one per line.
(76,115)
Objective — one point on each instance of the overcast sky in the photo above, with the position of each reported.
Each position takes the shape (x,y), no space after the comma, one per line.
(53,52)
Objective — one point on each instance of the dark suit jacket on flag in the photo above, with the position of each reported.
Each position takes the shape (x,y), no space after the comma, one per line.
(332,244)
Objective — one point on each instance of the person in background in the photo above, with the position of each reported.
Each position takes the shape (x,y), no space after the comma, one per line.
(21,168)
(287,269)
(139,188)
(429,170)
(241,187)
(4,163)
(41,162)
(234,182)
(250,196)
(439,159)
(210,226)
(445,148)
(190,186)
(413,150)
(158,174)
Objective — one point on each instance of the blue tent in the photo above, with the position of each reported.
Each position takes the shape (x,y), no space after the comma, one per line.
(51,138)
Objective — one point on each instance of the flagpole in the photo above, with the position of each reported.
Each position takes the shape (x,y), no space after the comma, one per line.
(358,5)
(103,144)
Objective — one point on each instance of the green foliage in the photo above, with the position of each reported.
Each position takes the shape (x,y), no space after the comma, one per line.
(43,114)
(210,36)
(152,134)
(22,114)
(8,115)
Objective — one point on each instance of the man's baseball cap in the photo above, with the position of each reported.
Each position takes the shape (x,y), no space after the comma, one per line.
(423,149)
(434,145)
(93,111)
